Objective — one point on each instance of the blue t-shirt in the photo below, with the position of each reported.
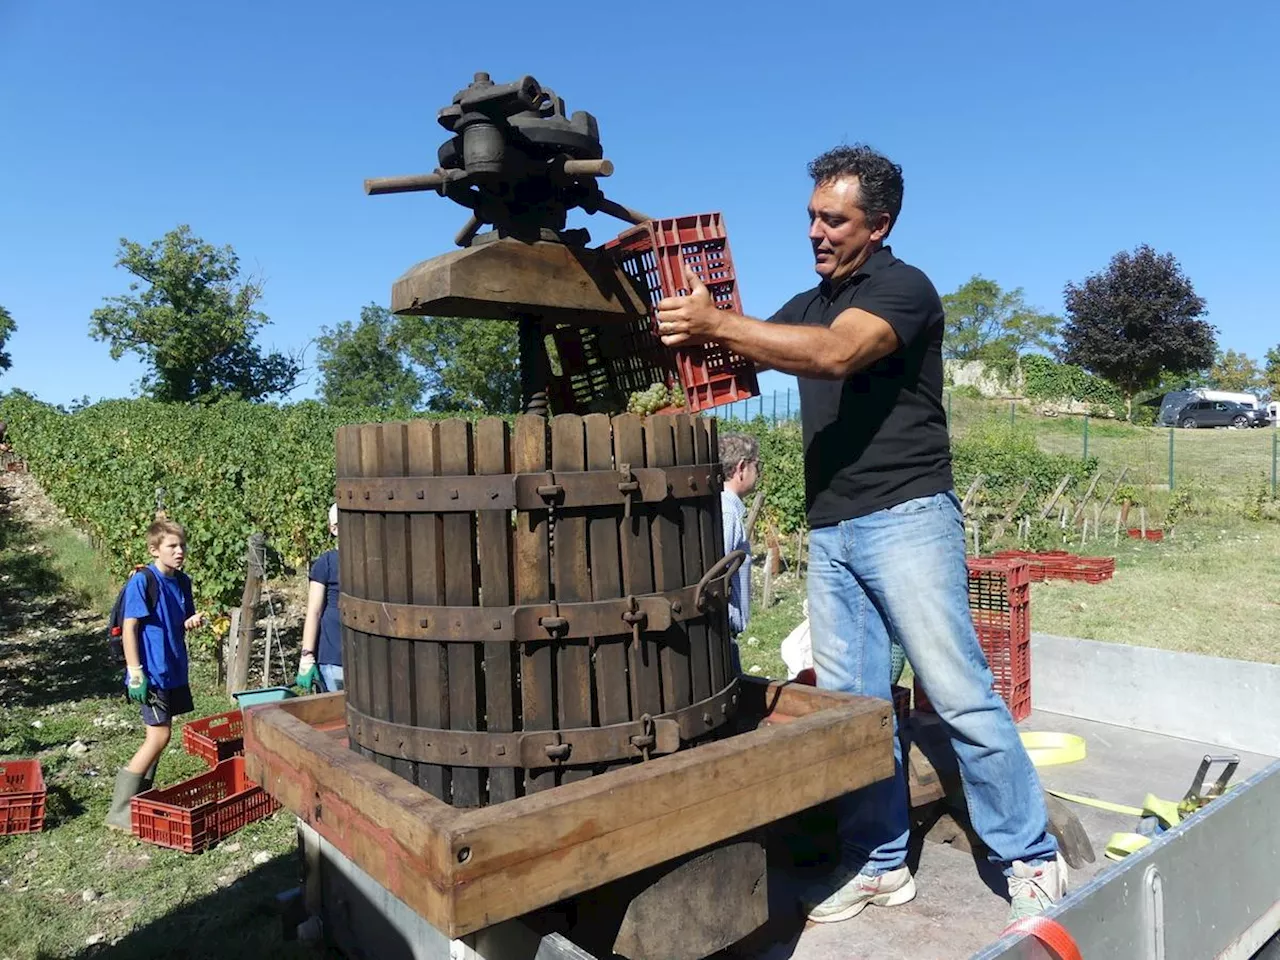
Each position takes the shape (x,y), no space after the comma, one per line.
(329,647)
(162,638)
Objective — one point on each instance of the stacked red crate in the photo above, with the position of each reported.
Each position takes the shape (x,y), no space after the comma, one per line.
(1000,604)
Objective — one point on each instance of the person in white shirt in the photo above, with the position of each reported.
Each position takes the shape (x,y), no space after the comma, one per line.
(740,459)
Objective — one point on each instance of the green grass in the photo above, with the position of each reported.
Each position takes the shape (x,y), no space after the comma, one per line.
(1214,588)
(81,571)
(77,889)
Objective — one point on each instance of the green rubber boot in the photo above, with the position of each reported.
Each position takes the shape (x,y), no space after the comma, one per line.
(149,778)
(128,785)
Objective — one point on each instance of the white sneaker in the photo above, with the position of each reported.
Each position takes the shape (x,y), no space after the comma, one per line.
(855,891)
(1032,890)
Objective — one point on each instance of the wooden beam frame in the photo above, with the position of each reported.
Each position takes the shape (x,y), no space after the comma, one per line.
(466,869)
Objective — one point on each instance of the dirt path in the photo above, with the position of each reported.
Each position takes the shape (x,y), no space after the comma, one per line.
(51,646)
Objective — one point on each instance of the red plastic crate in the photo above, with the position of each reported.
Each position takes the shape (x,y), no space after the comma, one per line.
(606,364)
(1000,604)
(22,795)
(1061,565)
(195,814)
(214,739)
(1137,533)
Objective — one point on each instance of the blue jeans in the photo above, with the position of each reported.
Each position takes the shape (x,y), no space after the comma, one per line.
(900,573)
(330,676)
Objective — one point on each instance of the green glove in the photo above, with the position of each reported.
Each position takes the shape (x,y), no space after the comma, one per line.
(137,686)
(308,677)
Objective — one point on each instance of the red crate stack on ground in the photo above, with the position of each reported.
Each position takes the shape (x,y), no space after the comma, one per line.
(214,739)
(22,796)
(197,813)
(1061,565)
(604,365)
(1000,604)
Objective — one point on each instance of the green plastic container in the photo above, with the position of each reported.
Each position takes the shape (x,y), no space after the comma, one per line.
(247,698)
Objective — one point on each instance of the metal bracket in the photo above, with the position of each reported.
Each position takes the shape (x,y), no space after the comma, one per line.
(562,490)
(534,749)
(536,622)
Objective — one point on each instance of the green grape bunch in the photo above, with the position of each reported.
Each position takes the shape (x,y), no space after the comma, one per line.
(657,397)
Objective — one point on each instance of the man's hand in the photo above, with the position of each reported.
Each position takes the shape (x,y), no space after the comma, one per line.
(137,685)
(194,622)
(691,319)
(308,675)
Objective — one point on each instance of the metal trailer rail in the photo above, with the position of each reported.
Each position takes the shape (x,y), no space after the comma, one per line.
(1207,890)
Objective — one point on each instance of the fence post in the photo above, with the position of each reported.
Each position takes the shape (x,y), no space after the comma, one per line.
(238,675)
(1275,448)
(949,408)
(1086,437)
(1171,458)
(1013,411)
(775,408)
(788,404)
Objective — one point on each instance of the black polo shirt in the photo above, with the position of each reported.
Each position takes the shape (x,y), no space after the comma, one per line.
(878,438)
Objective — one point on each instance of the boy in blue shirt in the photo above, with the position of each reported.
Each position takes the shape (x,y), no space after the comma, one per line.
(321,660)
(155,652)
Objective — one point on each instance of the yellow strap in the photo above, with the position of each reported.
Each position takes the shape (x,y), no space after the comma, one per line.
(1166,810)
(1051,749)
(1099,804)
(1122,844)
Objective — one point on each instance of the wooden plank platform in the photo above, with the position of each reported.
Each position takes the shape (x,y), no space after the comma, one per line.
(463,870)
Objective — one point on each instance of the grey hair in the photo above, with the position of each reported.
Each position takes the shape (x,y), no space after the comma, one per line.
(735,448)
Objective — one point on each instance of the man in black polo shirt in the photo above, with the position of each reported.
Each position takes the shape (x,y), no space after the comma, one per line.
(887,557)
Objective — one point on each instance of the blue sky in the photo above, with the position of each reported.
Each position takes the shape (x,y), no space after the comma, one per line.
(1037,140)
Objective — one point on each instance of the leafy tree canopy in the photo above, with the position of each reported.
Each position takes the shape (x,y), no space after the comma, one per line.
(193,321)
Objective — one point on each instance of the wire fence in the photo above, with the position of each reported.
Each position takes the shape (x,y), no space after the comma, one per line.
(1239,462)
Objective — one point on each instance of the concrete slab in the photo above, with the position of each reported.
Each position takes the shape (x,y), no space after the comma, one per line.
(960,907)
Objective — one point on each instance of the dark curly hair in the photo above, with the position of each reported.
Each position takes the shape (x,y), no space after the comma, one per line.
(879,178)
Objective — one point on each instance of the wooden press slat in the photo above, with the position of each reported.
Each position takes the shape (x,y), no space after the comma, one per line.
(430,669)
(610,661)
(691,551)
(494,545)
(637,572)
(711,535)
(375,678)
(533,585)
(572,581)
(394,463)
(465,690)
(668,567)
(351,567)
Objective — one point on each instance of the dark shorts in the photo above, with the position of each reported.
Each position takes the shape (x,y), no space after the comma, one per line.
(163,705)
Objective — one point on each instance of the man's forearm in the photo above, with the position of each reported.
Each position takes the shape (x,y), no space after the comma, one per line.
(803,351)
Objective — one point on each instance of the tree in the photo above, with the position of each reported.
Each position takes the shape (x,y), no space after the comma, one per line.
(467,364)
(7,327)
(1137,321)
(1271,374)
(1236,372)
(990,324)
(191,319)
(363,364)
